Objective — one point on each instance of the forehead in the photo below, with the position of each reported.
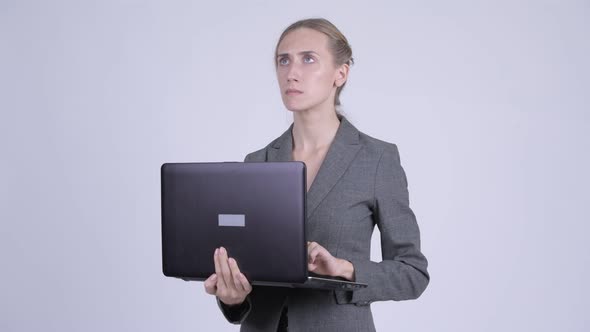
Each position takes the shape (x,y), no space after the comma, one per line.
(303,39)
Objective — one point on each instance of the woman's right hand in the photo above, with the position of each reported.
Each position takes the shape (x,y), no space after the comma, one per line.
(227,283)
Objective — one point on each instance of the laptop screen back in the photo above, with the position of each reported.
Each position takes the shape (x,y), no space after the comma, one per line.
(254,210)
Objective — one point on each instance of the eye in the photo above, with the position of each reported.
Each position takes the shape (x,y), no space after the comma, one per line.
(283,61)
(308,59)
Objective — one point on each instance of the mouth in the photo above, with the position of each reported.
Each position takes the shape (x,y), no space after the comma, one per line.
(293,92)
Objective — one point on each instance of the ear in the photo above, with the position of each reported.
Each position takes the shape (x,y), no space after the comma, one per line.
(341,75)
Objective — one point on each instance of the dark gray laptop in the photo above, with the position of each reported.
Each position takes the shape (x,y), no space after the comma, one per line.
(254,210)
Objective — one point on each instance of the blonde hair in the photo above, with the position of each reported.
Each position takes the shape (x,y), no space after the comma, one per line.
(337,43)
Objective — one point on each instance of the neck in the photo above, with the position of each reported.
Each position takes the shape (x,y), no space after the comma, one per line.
(314,130)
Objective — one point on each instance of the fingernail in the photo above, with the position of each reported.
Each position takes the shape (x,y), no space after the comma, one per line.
(216,251)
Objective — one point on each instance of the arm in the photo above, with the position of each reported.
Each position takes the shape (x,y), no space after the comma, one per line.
(230,287)
(236,314)
(402,275)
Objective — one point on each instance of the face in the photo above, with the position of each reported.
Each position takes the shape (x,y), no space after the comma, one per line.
(306,72)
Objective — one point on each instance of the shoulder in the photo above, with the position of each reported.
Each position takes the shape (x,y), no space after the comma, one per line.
(258,155)
(387,161)
(261,154)
(377,147)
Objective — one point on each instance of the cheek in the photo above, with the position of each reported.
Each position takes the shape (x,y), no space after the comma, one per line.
(321,74)
(322,81)
(282,79)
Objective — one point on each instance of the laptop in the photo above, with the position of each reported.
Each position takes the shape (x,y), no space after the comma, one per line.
(256,210)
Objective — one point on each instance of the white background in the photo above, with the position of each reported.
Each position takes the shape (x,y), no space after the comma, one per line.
(488,102)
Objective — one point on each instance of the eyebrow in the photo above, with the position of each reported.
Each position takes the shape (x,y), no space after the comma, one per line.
(300,53)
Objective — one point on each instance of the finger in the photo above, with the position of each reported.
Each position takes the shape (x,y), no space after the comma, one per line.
(310,256)
(235,273)
(225,270)
(311,246)
(314,253)
(311,261)
(318,256)
(245,283)
(216,259)
(211,284)
(311,267)
(314,262)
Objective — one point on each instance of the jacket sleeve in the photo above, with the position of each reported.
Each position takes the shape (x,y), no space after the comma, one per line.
(235,314)
(402,274)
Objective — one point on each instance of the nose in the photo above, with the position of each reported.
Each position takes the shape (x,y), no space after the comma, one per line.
(293,73)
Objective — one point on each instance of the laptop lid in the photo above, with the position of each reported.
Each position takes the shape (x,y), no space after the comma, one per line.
(255,210)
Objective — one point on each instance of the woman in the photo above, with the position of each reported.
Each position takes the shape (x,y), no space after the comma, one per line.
(354,183)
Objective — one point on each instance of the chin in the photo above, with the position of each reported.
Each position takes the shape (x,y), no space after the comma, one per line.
(296,108)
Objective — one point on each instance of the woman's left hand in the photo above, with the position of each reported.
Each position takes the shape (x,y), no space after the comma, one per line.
(320,261)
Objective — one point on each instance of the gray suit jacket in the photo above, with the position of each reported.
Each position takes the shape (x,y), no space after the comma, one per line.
(360,184)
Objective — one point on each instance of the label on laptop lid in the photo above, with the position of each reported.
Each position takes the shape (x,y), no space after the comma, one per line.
(232,220)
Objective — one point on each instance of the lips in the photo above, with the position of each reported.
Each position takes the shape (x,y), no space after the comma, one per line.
(291,92)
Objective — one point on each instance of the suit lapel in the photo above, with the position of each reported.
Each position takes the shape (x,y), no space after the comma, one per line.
(340,154)
(342,151)
(282,148)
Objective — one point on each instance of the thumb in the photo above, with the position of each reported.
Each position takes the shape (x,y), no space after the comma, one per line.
(211,284)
